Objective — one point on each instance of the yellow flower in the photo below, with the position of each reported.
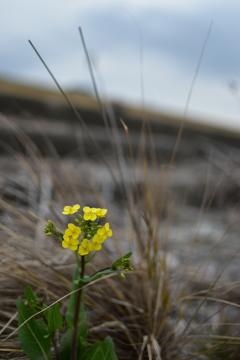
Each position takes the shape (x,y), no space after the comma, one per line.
(84,248)
(95,246)
(73,231)
(98,239)
(70,209)
(69,242)
(101,212)
(104,231)
(90,213)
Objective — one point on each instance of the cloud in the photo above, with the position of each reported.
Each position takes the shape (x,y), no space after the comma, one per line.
(172,33)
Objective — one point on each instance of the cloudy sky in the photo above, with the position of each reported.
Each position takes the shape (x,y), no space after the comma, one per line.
(139,49)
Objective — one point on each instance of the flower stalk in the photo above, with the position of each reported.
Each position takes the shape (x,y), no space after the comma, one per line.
(77,311)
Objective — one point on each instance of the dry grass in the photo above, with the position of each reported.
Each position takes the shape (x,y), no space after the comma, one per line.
(164,309)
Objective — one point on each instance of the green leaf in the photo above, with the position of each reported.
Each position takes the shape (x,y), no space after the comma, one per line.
(65,345)
(32,299)
(30,296)
(33,337)
(82,321)
(102,351)
(54,318)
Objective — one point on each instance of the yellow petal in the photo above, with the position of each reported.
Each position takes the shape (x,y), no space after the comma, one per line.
(68,232)
(66,210)
(93,217)
(76,207)
(71,226)
(86,216)
(73,247)
(109,233)
(82,251)
(66,238)
(74,242)
(97,246)
(101,231)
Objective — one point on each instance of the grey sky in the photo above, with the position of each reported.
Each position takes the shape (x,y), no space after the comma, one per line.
(172,34)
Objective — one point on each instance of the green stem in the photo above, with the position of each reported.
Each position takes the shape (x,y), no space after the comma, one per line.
(56,349)
(78,261)
(77,310)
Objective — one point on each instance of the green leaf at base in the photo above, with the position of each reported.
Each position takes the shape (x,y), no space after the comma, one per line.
(33,337)
(102,351)
(65,346)
(54,318)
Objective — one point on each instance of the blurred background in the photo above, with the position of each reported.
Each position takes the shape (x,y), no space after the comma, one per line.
(144,54)
(142,51)
(161,181)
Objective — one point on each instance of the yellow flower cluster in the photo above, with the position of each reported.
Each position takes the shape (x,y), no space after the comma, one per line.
(70,237)
(88,236)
